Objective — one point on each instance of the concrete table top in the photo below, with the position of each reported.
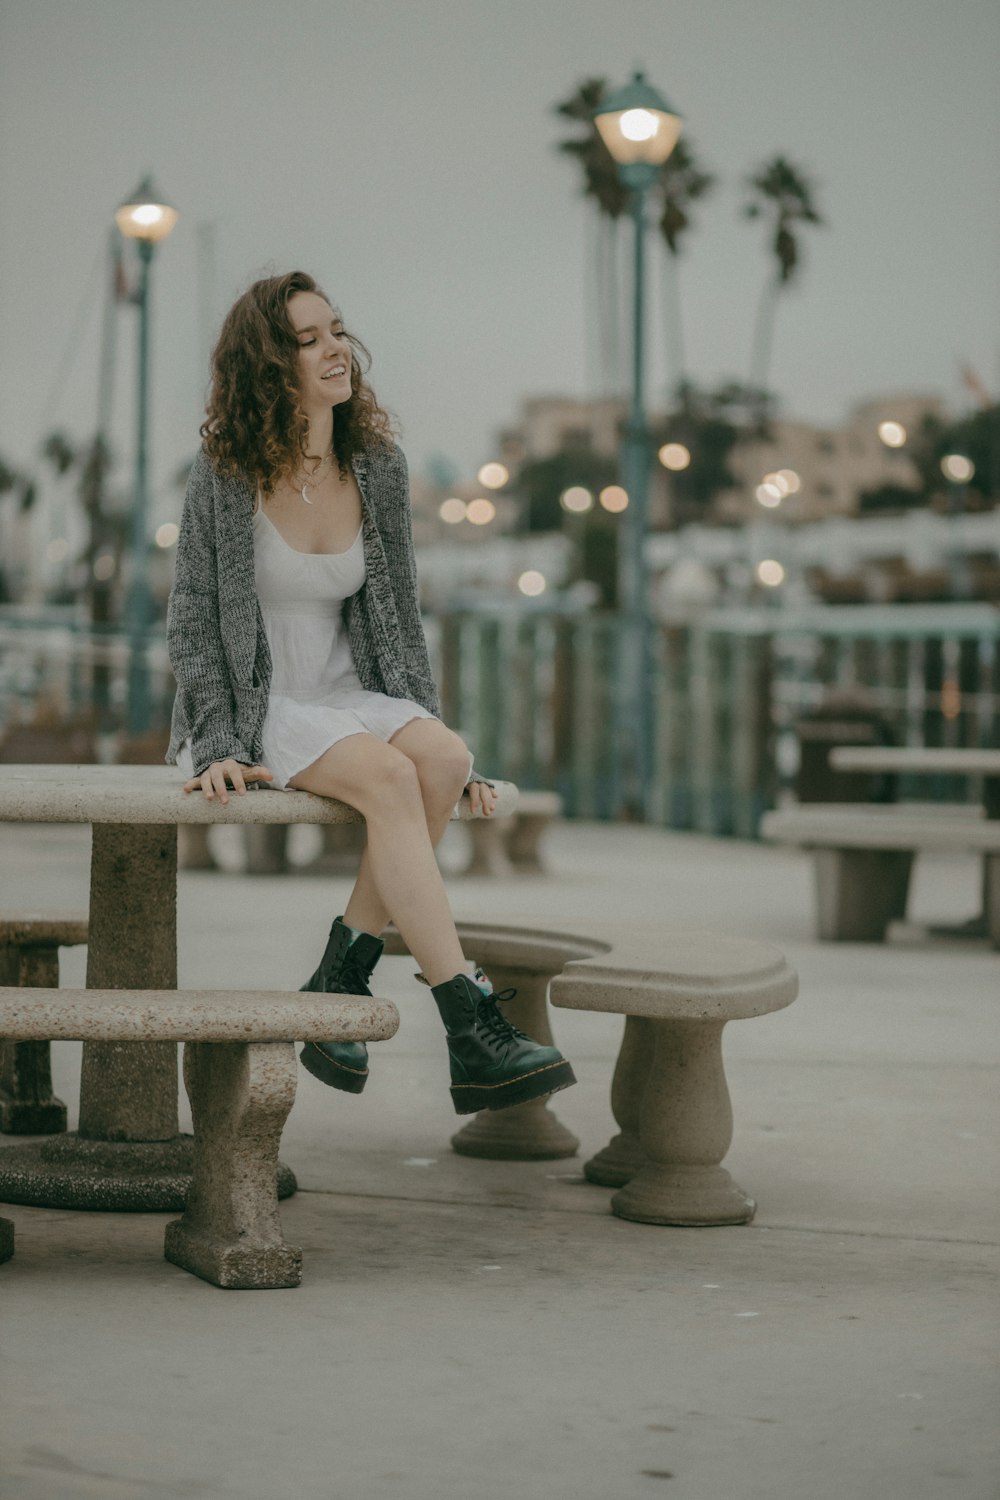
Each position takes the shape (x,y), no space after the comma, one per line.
(154,794)
(916,760)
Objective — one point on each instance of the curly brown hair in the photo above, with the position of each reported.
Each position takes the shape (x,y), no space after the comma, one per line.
(254,427)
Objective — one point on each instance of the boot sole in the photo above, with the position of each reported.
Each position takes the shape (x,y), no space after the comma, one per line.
(349,1080)
(469,1098)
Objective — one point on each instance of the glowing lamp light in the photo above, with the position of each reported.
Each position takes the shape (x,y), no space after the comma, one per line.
(532,583)
(769,494)
(892,434)
(481,512)
(576,499)
(637,124)
(452,510)
(614,498)
(167,534)
(957,468)
(104,566)
(770,573)
(144,216)
(493,476)
(674,456)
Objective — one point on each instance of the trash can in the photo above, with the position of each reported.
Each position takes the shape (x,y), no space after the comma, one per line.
(841,719)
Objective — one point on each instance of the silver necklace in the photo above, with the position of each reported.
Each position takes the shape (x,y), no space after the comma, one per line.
(313,479)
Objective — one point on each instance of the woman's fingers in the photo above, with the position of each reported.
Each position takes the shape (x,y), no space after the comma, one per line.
(482,798)
(215,781)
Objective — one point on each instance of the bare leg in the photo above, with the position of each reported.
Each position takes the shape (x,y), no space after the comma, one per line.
(441,760)
(382,783)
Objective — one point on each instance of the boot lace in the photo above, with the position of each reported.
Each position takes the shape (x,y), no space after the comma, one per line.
(349,978)
(493,1021)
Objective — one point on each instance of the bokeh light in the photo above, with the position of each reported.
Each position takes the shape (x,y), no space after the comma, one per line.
(892,434)
(769,494)
(104,566)
(614,498)
(770,573)
(58,549)
(790,480)
(481,511)
(576,499)
(167,534)
(493,476)
(452,510)
(957,468)
(674,456)
(532,583)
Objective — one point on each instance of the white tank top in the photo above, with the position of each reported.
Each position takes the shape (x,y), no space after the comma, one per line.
(301,599)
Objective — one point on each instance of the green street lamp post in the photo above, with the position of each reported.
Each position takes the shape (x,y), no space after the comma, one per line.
(640,129)
(146,219)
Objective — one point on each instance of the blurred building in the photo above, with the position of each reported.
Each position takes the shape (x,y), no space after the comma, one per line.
(833,464)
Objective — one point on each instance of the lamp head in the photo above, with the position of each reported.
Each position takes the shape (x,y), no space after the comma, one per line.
(637,124)
(144,216)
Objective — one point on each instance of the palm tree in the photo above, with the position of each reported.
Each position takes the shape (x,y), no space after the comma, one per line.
(682,181)
(782,195)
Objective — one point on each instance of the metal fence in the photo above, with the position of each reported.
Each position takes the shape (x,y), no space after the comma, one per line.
(536,694)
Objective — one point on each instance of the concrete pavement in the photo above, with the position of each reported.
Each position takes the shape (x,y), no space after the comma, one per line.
(471,1330)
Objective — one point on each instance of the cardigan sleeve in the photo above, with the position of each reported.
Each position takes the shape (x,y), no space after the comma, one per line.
(403,572)
(194,639)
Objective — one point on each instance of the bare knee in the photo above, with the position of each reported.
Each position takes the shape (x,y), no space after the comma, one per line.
(444,770)
(393,785)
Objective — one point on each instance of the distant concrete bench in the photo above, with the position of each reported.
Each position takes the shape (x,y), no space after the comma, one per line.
(505,844)
(240,1074)
(669,1097)
(863,854)
(29,955)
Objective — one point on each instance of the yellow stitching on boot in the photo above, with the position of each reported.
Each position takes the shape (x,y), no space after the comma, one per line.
(533,1074)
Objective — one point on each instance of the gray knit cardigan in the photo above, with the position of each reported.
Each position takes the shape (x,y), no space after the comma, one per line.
(215,632)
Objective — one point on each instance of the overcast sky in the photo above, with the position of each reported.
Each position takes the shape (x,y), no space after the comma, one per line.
(403,152)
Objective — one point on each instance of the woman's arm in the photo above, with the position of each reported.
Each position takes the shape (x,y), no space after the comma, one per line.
(194,640)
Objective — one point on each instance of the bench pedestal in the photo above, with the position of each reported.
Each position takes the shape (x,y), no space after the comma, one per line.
(29,955)
(859,892)
(525,1132)
(6,1239)
(231,1233)
(622,1157)
(685,1129)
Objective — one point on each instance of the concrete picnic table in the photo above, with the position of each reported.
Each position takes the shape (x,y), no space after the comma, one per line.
(914,760)
(128,1152)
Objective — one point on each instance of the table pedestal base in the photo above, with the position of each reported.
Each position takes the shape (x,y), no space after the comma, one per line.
(116,1176)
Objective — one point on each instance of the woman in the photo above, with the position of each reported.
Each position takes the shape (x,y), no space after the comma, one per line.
(294,633)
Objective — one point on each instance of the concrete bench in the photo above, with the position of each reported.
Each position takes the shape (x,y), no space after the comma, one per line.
(509,839)
(240,1073)
(511,844)
(669,1097)
(863,856)
(29,955)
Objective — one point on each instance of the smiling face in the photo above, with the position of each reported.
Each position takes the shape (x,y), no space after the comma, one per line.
(324,357)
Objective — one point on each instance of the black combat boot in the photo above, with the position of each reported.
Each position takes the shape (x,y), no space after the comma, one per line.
(493,1065)
(345,969)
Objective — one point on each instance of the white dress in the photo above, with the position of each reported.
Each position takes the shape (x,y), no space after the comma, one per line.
(316,697)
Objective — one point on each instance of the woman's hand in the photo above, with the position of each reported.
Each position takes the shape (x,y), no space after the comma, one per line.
(482,798)
(221,774)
